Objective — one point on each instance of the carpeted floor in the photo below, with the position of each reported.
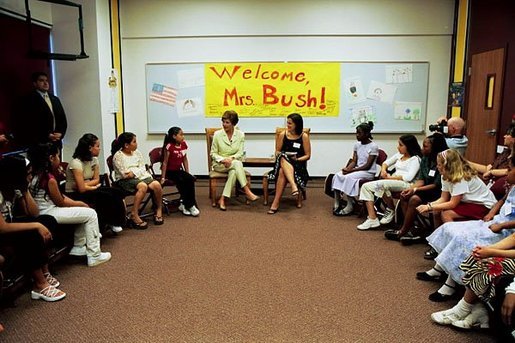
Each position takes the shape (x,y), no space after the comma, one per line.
(301,275)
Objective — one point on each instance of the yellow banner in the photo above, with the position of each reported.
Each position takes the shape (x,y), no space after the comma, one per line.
(273,89)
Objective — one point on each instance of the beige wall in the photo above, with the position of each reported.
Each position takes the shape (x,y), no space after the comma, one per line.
(245,30)
(252,30)
(82,84)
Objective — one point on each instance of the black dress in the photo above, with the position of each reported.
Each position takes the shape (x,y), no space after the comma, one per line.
(300,172)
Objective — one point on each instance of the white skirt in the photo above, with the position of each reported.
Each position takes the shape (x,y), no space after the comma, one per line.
(349,183)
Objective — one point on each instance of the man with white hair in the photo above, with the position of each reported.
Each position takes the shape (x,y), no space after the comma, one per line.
(455,137)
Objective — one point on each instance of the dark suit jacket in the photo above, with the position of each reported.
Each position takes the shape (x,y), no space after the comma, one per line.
(35,122)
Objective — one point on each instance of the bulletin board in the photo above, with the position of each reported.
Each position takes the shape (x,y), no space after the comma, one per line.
(332,97)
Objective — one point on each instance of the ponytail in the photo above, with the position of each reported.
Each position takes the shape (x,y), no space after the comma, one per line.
(119,143)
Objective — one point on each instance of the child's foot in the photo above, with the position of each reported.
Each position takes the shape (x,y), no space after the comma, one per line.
(52,281)
(158,220)
(96,260)
(49,293)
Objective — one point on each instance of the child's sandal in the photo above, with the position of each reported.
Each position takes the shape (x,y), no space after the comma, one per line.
(138,226)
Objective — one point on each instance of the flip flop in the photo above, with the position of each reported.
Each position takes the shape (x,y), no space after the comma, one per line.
(138,226)
(272,211)
(158,220)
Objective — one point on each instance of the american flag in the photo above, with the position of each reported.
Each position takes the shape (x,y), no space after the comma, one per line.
(163,94)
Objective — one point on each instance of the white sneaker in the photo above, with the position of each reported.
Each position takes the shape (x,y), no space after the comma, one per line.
(344,211)
(78,251)
(116,229)
(478,317)
(369,224)
(96,260)
(388,217)
(348,209)
(194,211)
(448,316)
(184,210)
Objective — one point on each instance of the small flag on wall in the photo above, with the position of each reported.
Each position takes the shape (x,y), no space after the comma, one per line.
(163,94)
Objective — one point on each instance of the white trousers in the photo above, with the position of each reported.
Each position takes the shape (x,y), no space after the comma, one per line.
(234,172)
(87,232)
(381,187)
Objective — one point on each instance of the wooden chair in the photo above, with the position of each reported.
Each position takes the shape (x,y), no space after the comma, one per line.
(215,176)
(266,192)
(173,196)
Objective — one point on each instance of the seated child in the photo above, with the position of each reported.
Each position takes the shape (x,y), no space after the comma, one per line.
(407,165)
(83,183)
(482,268)
(454,240)
(30,236)
(132,176)
(362,167)
(427,188)
(44,159)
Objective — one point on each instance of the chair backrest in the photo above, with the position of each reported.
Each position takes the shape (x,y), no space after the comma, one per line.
(381,157)
(61,176)
(210,132)
(279,130)
(109,162)
(155,156)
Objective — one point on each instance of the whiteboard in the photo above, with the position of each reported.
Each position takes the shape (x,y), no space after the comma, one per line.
(393,94)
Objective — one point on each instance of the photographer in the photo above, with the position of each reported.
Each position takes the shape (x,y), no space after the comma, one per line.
(453,130)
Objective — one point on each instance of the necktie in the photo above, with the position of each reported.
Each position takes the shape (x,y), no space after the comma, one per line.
(49,103)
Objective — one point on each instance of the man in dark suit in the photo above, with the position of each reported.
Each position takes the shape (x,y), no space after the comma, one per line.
(42,118)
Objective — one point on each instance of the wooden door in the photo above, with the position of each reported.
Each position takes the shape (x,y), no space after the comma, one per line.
(484,105)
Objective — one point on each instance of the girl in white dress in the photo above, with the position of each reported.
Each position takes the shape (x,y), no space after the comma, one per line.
(464,197)
(345,183)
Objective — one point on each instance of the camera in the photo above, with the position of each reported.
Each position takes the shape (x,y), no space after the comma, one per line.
(440,127)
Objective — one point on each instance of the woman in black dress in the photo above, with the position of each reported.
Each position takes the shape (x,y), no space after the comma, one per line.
(293,150)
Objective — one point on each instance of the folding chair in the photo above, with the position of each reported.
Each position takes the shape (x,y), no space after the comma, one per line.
(155,156)
(266,184)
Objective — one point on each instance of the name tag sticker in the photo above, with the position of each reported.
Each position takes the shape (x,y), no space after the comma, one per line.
(296,145)
(500,149)
(432,173)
